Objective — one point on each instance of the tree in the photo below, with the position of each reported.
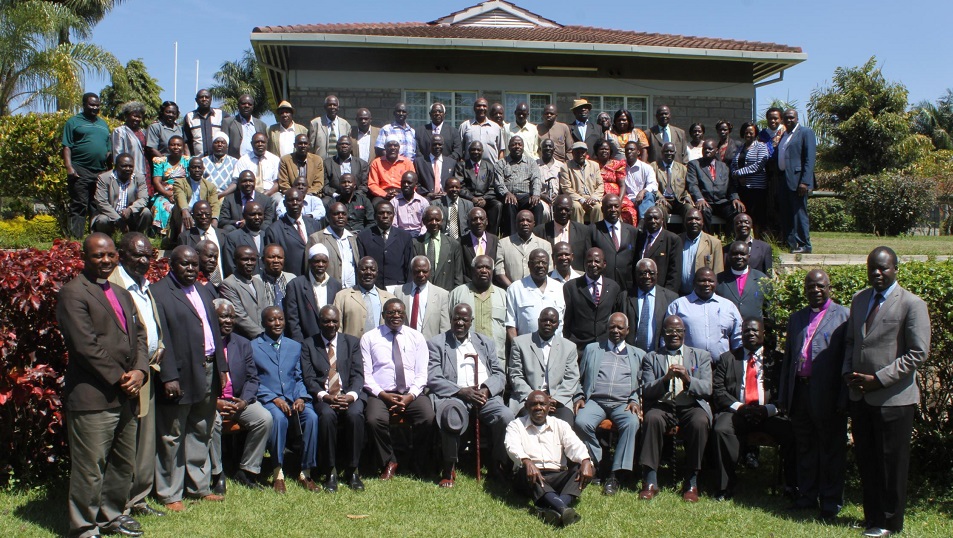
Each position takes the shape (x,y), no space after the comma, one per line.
(131,83)
(234,79)
(862,121)
(775,103)
(936,120)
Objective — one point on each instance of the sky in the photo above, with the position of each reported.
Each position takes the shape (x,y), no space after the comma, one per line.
(909,38)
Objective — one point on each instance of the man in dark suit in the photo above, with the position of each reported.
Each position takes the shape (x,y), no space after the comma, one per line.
(454,206)
(232,126)
(333,371)
(453,354)
(108,364)
(477,177)
(203,229)
(760,256)
(444,253)
(797,153)
(364,135)
(452,143)
(589,301)
(433,169)
(741,284)
(744,395)
(249,235)
(391,247)
(345,162)
(247,293)
(645,306)
(583,129)
(664,132)
(233,205)
(307,294)
(291,232)
(663,247)
(210,267)
(617,241)
(814,395)
(192,376)
(709,182)
(477,242)
(562,228)
(888,338)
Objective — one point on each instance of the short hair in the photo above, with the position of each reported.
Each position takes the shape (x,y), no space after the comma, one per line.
(438,105)
(692,126)
(773,109)
(221,302)
(132,107)
(889,251)
(129,238)
(167,104)
(89,95)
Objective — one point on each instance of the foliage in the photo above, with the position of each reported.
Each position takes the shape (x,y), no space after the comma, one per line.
(862,122)
(21,232)
(936,120)
(131,83)
(236,78)
(830,215)
(890,203)
(775,103)
(36,66)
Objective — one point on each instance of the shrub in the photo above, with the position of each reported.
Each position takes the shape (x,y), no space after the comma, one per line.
(23,232)
(890,203)
(830,215)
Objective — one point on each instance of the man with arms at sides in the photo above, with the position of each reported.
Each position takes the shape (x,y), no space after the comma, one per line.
(247,293)
(481,129)
(583,129)
(444,253)
(645,306)
(109,361)
(698,250)
(311,206)
(759,252)
(409,206)
(563,229)
(383,179)
(664,132)
(395,375)
(672,177)
(233,205)
(549,170)
(390,246)
(325,130)
(518,186)
(540,445)
(358,207)
(513,252)
(589,302)
(307,294)
(617,241)
(220,166)
(457,384)
(557,131)
(301,164)
(582,181)
(478,181)
(283,136)
(662,246)
(188,191)
(563,261)
(640,184)
(487,303)
(238,403)
(333,372)
(713,323)
(241,127)
(361,306)
(814,395)
(711,186)
(741,284)
(202,124)
(609,389)
(120,200)
(363,136)
(796,157)
(341,245)
(888,338)
(400,131)
(427,304)
(544,360)
(745,397)
(676,382)
(523,129)
(276,280)
(452,143)
(344,163)
(85,151)
(282,390)
(478,242)
(209,266)
(455,209)
(192,376)
(433,169)
(527,297)
(291,232)
(249,235)
(264,164)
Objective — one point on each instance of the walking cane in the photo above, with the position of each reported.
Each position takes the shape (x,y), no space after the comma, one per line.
(476,384)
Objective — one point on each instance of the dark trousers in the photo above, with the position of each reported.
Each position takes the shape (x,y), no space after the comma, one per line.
(756,205)
(509,211)
(882,445)
(729,431)
(693,428)
(352,423)
(821,446)
(558,482)
(419,415)
(725,210)
(795,226)
(493,208)
(81,191)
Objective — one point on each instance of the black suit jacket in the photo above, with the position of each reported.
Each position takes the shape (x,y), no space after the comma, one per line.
(424,169)
(466,245)
(315,365)
(827,392)
(619,262)
(730,373)
(393,256)
(759,256)
(332,174)
(236,238)
(301,311)
(579,240)
(750,303)
(283,233)
(241,368)
(184,341)
(232,211)
(593,133)
(630,307)
(448,271)
(452,143)
(585,322)
(666,252)
(233,129)
(718,190)
(479,185)
(194,236)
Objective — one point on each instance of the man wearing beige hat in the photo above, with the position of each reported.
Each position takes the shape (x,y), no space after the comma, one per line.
(581,180)
(281,136)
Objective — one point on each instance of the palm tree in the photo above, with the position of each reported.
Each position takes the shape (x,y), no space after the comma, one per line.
(234,79)
(935,120)
(34,68)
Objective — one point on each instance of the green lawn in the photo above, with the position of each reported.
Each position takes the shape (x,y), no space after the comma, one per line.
(409,507)
(856,243)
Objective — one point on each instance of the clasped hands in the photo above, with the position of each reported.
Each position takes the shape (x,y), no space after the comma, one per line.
(396,402)
(281,404)
(131,382)
(339,402)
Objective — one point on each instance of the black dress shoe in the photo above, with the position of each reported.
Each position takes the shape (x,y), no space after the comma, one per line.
(610,486)
(331,484)
(145,510)
(124,526)
(354,482)
(218,484)
(247,481)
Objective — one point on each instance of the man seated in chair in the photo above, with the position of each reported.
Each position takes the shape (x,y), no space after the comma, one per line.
(458,384)
(744,393)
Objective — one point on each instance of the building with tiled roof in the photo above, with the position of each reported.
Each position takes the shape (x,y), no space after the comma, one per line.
(505,53)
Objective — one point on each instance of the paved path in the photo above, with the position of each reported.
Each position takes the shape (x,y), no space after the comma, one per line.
(801,261)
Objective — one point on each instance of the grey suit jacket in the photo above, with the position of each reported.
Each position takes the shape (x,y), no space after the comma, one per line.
(318,133)
(698,363)
(800,155)
(335,259)
(897,344)
(442,368)
(233,129)
(463,211)
(678,138)
(437,315)
(447,272)
(527,372)
(750,302)
(827,391)
(592,361)
(108,192)
(248,307)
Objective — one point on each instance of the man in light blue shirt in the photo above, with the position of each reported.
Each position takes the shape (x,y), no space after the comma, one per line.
(712,323)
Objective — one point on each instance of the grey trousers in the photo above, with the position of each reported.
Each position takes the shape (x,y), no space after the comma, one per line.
(495,415)
(587,421)
(255,420)
(145,474)
(102,447)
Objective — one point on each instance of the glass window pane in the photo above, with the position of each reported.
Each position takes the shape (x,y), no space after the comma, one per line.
(418,109)
(639,108)
(462,108)
(610,105)
(594,100)
(537,102)
(510,100)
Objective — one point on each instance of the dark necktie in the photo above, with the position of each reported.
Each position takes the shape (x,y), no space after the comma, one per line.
(595,293)
(878,299)
(642,331)
(432,252)
(453,227)
(398,366)
(415,309)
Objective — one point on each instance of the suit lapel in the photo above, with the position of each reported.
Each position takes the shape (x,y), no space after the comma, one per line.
(450,355)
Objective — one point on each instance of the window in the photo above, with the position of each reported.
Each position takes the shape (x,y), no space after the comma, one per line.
(536,101)
(459,105)
(638,106)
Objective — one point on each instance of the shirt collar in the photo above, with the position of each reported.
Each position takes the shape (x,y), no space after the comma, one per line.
(825,307)
(739,273)
(590,281)
(618,348)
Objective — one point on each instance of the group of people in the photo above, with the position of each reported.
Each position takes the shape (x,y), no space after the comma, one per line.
(318,326)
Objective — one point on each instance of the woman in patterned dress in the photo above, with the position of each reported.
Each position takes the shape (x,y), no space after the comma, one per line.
(613,176)
(165,170)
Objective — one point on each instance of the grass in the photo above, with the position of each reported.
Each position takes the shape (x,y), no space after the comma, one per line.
(409,507)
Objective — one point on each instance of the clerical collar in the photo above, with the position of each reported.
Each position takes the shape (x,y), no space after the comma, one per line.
(739,273)
(825,307)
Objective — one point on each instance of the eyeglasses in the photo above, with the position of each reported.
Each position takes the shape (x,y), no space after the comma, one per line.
(673,332)
(646,273)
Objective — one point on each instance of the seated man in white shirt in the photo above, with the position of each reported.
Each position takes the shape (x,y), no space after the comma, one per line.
(641,185)
(264,164)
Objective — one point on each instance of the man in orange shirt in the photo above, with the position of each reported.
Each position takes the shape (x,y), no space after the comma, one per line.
(383,179)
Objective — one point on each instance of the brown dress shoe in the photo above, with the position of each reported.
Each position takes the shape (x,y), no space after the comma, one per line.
(213,498)
(279,485)
(177,506)
(690,495)
(307,483)
(389,471)
(648,492)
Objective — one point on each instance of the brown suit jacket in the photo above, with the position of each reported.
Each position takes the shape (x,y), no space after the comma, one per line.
(274,134)
(351,305)
(288,172)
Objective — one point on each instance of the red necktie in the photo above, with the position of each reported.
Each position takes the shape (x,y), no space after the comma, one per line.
(711,170)
(415,308)
(751,382)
